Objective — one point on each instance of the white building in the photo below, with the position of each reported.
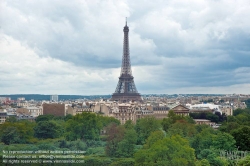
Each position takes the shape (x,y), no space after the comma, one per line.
(54,98)
(35,111)
(205,107)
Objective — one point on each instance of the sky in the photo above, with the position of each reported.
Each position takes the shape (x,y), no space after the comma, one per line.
(75,47)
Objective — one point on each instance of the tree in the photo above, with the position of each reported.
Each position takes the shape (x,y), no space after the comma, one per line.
(189,119)
(85,126)
(44,118)
(129,124)
(124,162)
(11,119)
(242,118)
(241,111)
(182,128)
(153,138)
(172,118)
(224,141)
(228,127)
(244,161)
(200,128)
(170,151)
(68,116)
(210,116)
(248,104)
(107,120)
(212,157)
(73,130)
(222,117)
(115,135)
(232,119)
(144,127)
(17,132)
(202,162)
(127,145)
(213,117)
(10,135)
(47,129)
(242,137)
(96,161)
(203,140)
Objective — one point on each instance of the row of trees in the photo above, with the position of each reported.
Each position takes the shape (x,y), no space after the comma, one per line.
(85,126)
(217,117)
(175,140)
(238,126)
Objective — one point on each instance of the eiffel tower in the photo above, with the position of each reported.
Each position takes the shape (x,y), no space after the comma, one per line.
(126,90)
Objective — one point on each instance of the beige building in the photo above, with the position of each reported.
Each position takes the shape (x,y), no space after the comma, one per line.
(159,112)
(32,111)
(228,110)
(79,109)
(120,111)
(204,121)
(124,112)
(22,111)
(22,104)
(133,111)
(35,111)
(181,110)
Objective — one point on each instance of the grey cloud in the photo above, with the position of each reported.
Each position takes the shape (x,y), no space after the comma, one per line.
(187,44)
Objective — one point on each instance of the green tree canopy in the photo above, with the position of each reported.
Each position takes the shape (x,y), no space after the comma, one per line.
(83,126)
(244,161)
(172,118)
(144,127)
(48,129)
(182,128)
(153,138)
(115,136)
(44,118)
(17,132)
(87,126)
(127,146)
(242,137)
(209,138)
(10,135)
(170,151)
(212,157)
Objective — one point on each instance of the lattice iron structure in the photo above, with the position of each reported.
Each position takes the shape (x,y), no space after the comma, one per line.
(125,89)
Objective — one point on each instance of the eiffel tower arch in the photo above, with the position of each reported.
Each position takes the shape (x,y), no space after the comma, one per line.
(126,90)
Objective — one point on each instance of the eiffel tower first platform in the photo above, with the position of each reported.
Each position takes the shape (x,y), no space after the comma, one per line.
(126,90)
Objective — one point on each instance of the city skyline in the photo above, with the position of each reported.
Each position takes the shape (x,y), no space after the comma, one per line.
(75,47)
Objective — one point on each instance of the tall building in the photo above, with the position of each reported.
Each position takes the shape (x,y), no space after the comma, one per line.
(54,98)
(126,90)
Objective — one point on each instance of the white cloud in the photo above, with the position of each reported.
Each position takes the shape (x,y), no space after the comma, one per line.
(25,72)
(75,47)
